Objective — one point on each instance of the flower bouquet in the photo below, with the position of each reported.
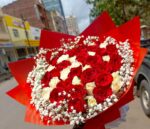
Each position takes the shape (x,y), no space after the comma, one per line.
(80,80)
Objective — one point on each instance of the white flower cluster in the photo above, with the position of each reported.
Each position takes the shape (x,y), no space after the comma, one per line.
(127,69)
(40,96)
(90,40)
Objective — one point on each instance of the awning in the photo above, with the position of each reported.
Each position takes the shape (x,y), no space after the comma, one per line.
(33,43)
(26,43)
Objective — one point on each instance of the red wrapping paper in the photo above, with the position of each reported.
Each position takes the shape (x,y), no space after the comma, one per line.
(102,26)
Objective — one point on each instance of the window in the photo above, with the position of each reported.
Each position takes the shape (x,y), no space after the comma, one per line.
(37,38)
(15,32)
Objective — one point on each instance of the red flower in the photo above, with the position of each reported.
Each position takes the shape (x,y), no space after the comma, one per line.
(54,96)
(66,85)
(93,48)
(46,78)
(111,49)
(54,61)
(77,91)
(55,73)
(88,75)
(104,79)
(48,56)
(101,94)
(77,104)
(63,65)
(82,55)
(103,67)
(75,72)
(92,60)
(63,83)
(101,51)
(115,62)
(72,52)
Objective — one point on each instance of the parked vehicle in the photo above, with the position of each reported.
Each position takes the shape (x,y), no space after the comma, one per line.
(142,80)
(4,74)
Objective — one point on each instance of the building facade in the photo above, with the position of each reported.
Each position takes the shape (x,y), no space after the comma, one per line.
(57,22)
(51,5)
(72,25)
(21,36)
(41,14)
(32,10)
(56,15)
(36,33)
(7,51)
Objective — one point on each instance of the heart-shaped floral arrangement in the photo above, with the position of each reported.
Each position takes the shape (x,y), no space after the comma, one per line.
(80,79)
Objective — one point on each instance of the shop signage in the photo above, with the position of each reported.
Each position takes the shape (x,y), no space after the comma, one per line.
(18,23)
(6,45)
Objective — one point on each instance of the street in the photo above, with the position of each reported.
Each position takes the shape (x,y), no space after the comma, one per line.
(12,113)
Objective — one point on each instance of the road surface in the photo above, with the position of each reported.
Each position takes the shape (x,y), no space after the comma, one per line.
(12,113)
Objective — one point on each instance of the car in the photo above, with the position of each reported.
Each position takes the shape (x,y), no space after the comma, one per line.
(142,80)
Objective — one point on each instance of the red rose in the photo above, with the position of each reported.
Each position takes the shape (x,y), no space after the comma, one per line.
(103,67)
(101,51)
(72,52)
(55,73)
(54,96)
(77,104)
(48,56)
(54,61)
(93,48)
(63,83)
(101,94)
(60,53)
(75,72)
(46,78)
(99,59)
(77,91)
(88,75)
(82,55)
(115,62)
(91,60)
(66,85)
(111,49)
(104,80)
(63,65)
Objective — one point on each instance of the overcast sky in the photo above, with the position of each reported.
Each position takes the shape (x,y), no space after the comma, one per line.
(78,8)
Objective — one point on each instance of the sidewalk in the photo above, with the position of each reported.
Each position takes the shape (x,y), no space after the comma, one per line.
(12,113)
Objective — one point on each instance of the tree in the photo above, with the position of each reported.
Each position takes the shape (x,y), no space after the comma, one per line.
(122,10)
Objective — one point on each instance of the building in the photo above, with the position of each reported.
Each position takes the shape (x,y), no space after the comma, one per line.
(51,5)
(56,15)
(72,25)
(41,14)
(36,33)
(58,23)
(21,36)
(31,10)
(7,51)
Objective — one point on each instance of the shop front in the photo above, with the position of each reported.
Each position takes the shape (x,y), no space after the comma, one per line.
(7,54)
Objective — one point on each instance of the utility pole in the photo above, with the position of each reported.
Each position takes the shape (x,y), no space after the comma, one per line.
(26,33)
(25,29)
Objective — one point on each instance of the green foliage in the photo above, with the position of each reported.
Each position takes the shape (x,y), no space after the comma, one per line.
(122,10)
